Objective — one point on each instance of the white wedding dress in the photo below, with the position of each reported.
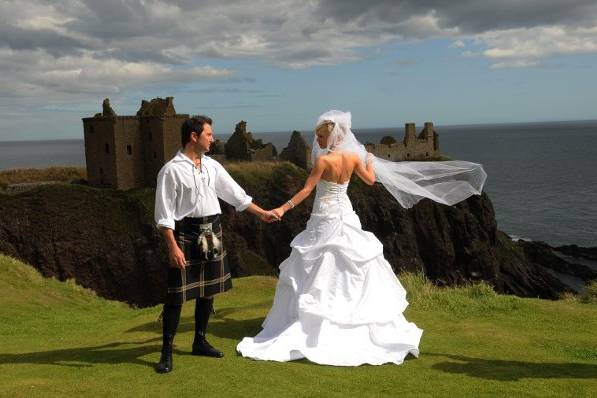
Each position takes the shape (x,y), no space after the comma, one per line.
(337,301)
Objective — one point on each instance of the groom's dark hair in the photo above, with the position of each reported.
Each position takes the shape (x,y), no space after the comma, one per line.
(195,124)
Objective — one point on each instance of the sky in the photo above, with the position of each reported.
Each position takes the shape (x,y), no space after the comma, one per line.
(279,64)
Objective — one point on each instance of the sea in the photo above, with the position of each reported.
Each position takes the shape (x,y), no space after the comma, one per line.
(542,177)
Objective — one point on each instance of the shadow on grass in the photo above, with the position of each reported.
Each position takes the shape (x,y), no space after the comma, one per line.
(82,357)
(503,370)
(220,327)
(220,324)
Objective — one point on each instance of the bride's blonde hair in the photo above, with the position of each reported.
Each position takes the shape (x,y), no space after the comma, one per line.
(326,125)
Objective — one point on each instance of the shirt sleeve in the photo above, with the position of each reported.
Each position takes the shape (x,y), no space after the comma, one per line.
(229,191)
(165,199)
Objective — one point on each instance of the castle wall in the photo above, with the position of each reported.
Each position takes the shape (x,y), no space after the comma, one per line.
(153,146)
(411,147)
(172,126)
(128,149)
(99,134)
(422,149)
(391,152)
(161,138)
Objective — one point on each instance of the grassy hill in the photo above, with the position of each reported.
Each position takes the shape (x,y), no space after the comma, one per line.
(58,339)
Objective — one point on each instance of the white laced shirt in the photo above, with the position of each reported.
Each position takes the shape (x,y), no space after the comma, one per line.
(185,190)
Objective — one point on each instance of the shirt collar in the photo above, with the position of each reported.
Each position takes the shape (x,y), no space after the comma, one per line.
(181,157)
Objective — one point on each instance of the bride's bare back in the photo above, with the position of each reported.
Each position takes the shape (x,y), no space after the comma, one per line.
(332,167)
(338,168)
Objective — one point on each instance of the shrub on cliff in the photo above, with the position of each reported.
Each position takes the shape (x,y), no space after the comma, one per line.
(589,295)
(61,174)
(476,298)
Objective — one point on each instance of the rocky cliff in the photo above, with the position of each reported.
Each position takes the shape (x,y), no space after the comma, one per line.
(105,239)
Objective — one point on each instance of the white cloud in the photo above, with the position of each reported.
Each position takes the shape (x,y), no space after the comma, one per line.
(68,49)
(458,44)
(36,75)
(520,63)
(528,47)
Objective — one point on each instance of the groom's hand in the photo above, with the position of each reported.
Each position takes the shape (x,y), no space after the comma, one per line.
(265,216)
(176,257)
(269,217)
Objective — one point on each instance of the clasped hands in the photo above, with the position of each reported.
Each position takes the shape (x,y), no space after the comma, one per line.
(272,215)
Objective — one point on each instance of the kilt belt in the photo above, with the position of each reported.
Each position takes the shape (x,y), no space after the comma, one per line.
(207,271)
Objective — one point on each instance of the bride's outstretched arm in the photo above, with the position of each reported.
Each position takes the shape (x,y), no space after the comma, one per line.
(310,184)
(365,171)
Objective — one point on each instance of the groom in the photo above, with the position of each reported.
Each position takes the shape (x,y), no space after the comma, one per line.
(187,212)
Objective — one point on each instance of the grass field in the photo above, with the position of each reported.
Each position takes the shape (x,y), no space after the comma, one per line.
(58,339)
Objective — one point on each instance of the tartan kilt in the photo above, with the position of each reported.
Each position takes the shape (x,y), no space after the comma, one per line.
(201,277)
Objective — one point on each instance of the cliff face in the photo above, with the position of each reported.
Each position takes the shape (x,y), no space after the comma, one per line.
(105,239)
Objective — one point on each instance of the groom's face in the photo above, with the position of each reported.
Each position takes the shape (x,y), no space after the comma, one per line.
(205,139)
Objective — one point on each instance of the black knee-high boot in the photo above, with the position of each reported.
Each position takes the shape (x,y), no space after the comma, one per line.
(203,309)
(170,324)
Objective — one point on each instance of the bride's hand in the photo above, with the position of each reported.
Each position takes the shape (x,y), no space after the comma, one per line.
(269,217)
(278,212)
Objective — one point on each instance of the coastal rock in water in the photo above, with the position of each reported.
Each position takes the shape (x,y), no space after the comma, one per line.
(106,240)
(588,253)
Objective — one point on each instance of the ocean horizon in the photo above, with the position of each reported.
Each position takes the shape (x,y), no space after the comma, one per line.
(542,176)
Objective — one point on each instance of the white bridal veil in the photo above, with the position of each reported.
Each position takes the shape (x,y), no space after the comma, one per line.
(446,182)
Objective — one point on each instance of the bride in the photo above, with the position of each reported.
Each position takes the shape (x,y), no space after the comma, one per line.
(337,300)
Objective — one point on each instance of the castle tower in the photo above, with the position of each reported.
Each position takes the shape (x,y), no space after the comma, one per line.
(113,149)
(428,131)
(160,129)
(410,139)
(431,140)
(410,134)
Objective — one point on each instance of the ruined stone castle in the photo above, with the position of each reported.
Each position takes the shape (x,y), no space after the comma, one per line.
(128,151)
(412,147)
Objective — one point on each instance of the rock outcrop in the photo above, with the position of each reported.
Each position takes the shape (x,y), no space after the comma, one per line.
(106,240)
(242,146)
(297,151)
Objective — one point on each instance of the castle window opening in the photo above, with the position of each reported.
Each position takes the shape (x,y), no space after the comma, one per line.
(90,129)
(107,148)
(155,155)
(388,155)
(427,154)
(129,149)
(408,155)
